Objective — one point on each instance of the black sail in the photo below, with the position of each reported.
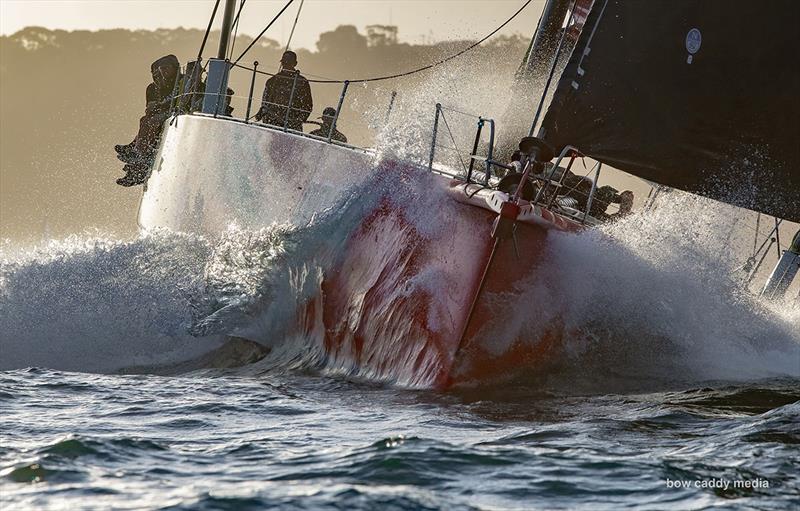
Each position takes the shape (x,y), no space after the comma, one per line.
(700,95)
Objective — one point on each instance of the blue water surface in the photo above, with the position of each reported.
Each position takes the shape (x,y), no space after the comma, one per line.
(308,441)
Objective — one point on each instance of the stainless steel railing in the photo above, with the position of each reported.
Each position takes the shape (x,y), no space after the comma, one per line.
(188,97)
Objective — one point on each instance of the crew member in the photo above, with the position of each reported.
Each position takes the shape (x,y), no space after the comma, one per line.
(278,91)
(328,115)
(228,97)
(606,195)
(159,97)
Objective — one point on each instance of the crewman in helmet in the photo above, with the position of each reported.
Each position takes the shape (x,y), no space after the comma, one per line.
(159,100)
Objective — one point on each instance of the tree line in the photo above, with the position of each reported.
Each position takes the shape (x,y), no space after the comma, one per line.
(68,96)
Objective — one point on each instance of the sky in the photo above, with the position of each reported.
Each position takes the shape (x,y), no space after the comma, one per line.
(419,20)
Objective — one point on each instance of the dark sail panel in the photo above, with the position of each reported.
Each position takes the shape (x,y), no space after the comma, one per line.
(700,95)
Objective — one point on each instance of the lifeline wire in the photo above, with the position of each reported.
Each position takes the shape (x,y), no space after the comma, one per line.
(398,75)
(454,142)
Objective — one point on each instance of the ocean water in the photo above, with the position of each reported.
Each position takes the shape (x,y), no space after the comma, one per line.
(125,384)
(305,441)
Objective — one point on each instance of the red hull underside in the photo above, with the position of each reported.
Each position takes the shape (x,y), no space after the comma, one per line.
(396,304)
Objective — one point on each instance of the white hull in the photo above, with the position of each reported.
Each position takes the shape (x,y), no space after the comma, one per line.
(210,174)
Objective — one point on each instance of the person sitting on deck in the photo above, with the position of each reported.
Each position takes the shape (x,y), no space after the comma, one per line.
(228,97)
(159,101)
(192,89)
(579,188)
(328,115)
(606,195)
(287,85)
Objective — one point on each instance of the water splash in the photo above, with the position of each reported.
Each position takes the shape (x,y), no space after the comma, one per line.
(94,304)
(646,299)
(654,299)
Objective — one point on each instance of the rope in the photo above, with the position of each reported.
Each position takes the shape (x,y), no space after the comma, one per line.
(208,31)
(291,34)
(263,32)
(406,73)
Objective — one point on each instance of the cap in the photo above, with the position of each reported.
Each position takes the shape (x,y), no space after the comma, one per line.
(329,112)
(289,57)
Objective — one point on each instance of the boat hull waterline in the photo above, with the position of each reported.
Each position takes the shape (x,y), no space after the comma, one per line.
(394,302)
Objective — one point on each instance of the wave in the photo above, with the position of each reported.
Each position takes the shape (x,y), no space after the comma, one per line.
(94,304)
(646,299)
(653,300)
(162,299)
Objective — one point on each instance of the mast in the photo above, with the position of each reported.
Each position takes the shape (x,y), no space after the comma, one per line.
(218,68)
(544,41)
(225,35)
(531,75)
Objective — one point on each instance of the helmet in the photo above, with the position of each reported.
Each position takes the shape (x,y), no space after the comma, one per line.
(165,61)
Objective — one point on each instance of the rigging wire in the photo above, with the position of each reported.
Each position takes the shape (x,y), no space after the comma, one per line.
(236,28)
(525,63)
(291,34)
(452,139)
(290,2)
(208,30)
(406,73)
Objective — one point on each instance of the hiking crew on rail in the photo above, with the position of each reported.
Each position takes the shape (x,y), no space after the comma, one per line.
(287,102)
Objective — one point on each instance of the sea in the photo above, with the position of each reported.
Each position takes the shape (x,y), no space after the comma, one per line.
(127,382)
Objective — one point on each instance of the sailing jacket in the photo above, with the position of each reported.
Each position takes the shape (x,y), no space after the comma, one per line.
(323,131)
(277,92)
(159,94)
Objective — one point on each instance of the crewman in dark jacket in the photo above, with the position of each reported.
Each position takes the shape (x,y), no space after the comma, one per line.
(228,98)
(278,91)
(328,115)
(192,90)
(159,98)
(607,195)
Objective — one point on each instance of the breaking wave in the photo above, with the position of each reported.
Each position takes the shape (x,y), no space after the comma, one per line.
(93,304)
(656,298)
(647,299)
